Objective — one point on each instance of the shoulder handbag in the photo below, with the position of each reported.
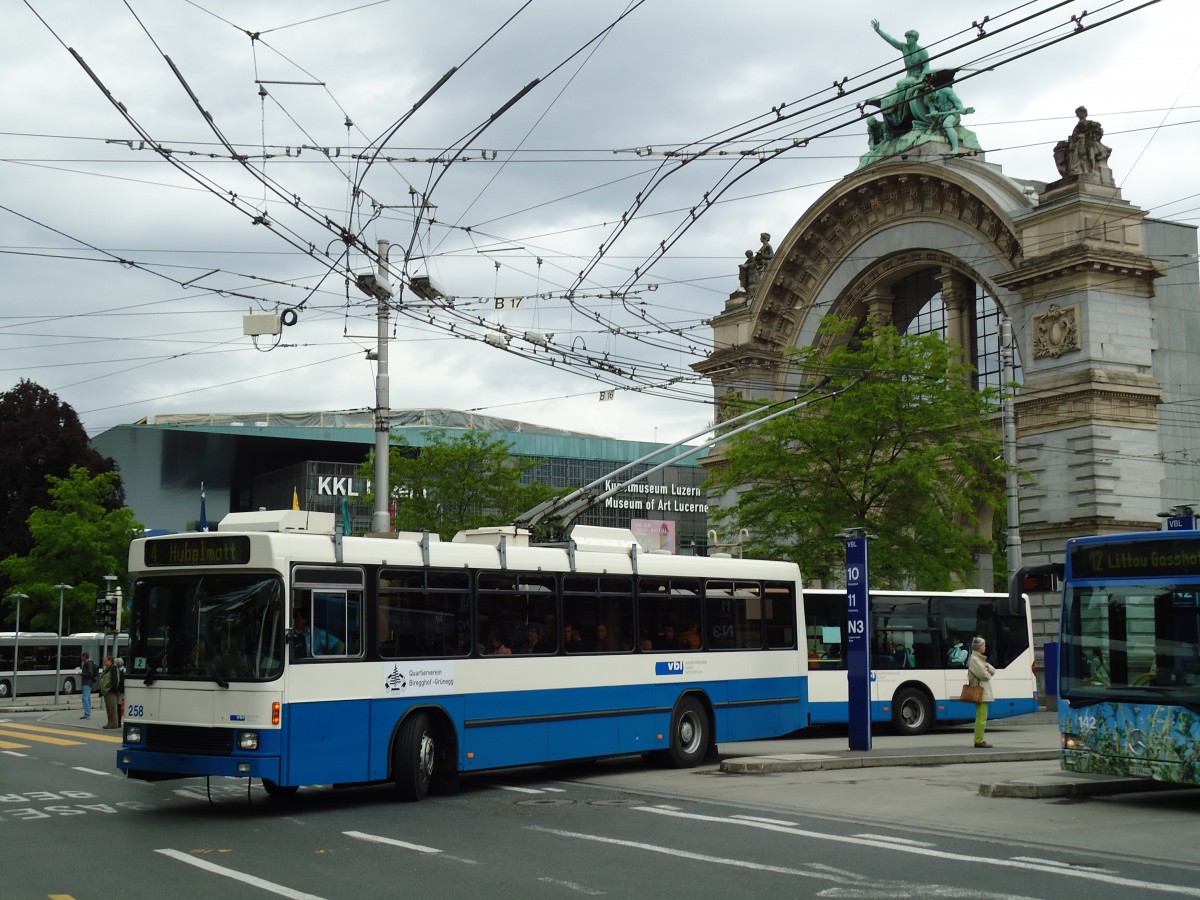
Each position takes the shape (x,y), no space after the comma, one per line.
(971,693)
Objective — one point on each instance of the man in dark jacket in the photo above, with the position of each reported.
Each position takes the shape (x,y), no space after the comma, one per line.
(110,690)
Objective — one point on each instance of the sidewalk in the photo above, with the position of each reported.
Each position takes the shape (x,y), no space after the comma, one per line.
(68,711)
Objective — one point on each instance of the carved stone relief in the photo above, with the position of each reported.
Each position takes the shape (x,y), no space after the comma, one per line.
(1056,331)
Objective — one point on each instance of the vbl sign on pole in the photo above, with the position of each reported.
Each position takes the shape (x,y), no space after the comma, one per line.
(858,639)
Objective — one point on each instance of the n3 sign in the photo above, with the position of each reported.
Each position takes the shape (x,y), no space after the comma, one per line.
(856,626)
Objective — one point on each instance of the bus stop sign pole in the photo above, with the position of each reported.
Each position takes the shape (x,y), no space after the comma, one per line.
(858,642)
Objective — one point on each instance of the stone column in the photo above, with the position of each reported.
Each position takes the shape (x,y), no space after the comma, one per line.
(958,295)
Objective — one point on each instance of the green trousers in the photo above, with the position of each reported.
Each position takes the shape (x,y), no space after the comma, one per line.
(980,721)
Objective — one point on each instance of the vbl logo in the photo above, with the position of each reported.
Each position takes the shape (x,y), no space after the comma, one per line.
(670,667)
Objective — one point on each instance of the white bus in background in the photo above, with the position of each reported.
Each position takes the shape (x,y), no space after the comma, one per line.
(40,671)
(916,671)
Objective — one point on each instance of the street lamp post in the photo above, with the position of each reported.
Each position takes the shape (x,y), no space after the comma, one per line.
(17,641)
(60,587)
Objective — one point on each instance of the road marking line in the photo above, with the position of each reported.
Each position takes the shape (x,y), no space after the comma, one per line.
(892,839)
(251,880)
(1064,865)
(41,738)
(9,745)
(519,790)
(1086,874)
(592,892)
(688,854)
(759,819)
(392,842)
(92,771)
(25,726)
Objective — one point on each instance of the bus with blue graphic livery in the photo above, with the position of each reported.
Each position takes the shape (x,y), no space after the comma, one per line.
(275,649)
(1129,656)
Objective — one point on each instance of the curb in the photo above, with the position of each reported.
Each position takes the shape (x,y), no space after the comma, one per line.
(766,765)
(1028,790)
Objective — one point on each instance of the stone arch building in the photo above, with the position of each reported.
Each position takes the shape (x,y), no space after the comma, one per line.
(1105,316)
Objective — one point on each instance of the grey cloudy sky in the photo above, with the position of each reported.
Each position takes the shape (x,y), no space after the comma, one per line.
(131,251)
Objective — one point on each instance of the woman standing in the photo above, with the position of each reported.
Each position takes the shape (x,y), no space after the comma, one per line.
(980,672)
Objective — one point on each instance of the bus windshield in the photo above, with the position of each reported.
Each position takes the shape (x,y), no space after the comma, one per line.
(208,626)
(1133,641)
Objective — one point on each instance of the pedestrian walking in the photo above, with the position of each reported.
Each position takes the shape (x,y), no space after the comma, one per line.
(110,691)
(88,672)
(980,672)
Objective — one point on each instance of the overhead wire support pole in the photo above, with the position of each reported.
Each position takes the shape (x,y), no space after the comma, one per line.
(381,520)
(1010,447)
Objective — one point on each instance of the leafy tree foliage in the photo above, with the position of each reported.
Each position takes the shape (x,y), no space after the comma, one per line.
(453,483)
(39,436)
(77,540)
(906,451)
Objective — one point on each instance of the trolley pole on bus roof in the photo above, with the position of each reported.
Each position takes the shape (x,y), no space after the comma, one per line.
(858,637)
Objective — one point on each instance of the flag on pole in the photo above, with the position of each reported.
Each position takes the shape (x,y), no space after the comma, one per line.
(295,499)
(345,515)
(203,514)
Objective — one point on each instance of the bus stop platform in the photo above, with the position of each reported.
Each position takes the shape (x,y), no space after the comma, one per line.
(1031,738)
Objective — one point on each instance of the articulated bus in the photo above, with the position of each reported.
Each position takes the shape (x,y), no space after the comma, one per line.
(1129,656)
(920,643)
(274,649)
(39,671)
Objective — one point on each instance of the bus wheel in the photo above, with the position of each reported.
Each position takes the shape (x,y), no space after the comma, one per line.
(279,791)
(5,689)
(689,734)
(911,713)
(68,686)
(412,762)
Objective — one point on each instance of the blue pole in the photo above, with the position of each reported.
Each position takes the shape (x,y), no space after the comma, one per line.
(858,637)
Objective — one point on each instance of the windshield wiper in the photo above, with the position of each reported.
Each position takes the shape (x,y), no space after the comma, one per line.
(215,674)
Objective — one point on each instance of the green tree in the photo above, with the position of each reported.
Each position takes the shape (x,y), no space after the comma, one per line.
(453,483)
(77,540)
(907,451)
(39,436)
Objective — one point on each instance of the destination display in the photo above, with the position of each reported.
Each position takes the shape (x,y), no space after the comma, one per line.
(1155,557)
(206,550)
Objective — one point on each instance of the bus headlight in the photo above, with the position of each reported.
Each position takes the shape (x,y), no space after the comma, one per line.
(1072,742)
(247,740)
(133,734)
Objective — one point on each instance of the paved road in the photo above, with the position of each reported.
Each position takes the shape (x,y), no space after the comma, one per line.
(808,815)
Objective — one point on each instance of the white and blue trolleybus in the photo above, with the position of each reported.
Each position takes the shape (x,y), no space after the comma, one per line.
(275,649)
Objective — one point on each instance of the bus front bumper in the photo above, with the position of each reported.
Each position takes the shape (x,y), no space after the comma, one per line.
(158,765)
